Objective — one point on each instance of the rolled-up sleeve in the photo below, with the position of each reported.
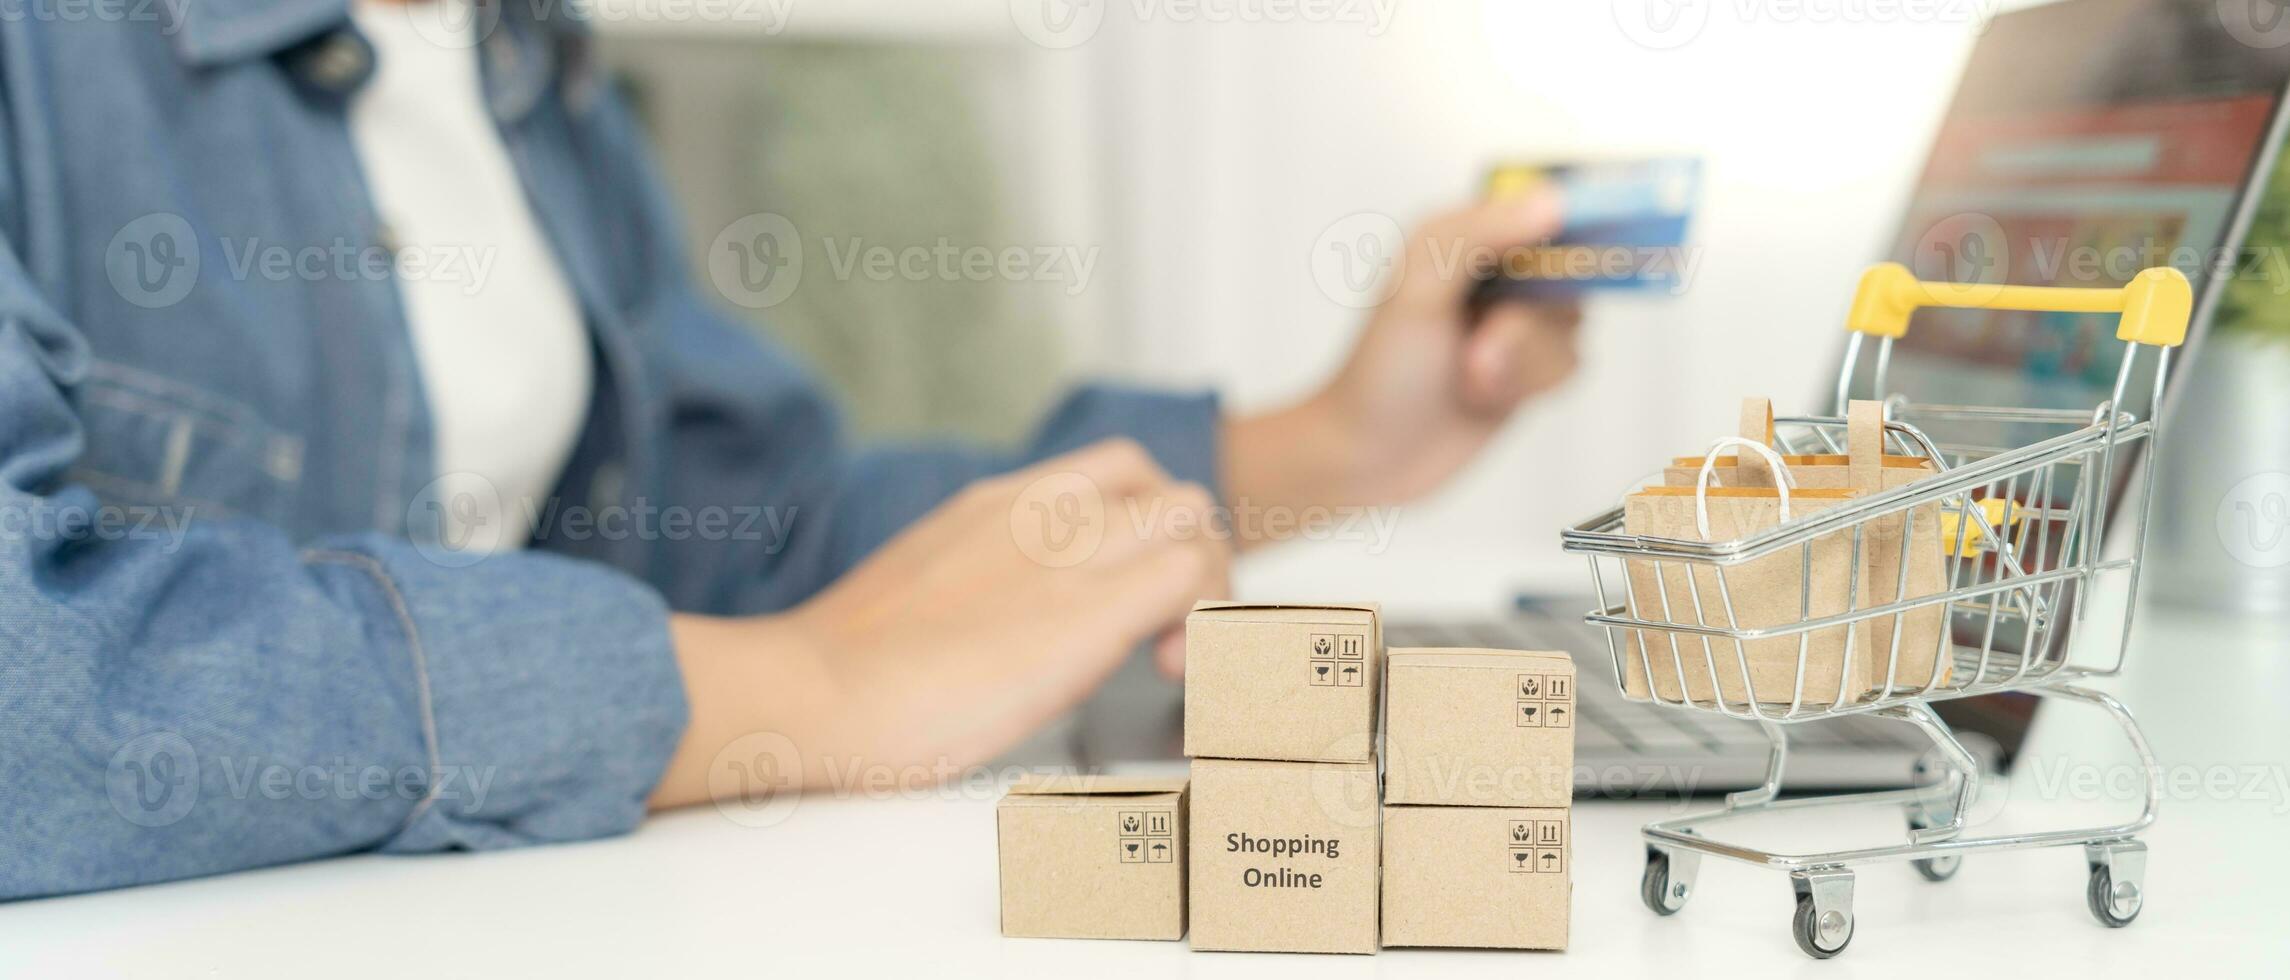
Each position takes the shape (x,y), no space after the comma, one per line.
(217,696)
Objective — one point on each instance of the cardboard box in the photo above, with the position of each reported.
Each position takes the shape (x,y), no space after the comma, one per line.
(1493,877)
(1093,857)
(1284,856)
(1294,683)
(1479,728)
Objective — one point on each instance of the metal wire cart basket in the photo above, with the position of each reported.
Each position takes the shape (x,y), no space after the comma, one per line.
(2025,543)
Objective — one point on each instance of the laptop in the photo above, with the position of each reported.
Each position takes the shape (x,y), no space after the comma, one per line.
(2086,139)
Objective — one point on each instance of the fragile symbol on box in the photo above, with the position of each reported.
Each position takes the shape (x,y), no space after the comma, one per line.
(1132,850)
(1323,673)
(1522,860)
(1530,714)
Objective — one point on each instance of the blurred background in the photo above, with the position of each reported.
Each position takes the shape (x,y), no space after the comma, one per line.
(1196,157)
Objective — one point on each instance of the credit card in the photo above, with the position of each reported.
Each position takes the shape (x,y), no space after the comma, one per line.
(1626,223)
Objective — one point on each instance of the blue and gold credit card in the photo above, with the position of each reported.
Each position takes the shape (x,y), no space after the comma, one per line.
(1625,227)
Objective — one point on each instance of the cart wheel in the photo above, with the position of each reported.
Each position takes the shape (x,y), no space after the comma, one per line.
(2112,907)
(1656,888)
(1818,943)
(1939,868)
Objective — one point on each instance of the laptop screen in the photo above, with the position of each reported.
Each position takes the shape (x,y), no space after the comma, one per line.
(2088,140)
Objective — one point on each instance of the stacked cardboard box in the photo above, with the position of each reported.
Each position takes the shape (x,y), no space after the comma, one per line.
(1280,718)
(1093,857)
(1281,841)
(1476,828)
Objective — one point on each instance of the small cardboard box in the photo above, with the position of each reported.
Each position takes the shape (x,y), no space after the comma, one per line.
(1479,728)
(1093,857)
(1287,682)
(1284,856)
(1492,877)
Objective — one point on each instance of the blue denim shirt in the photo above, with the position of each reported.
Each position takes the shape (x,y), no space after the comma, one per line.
(230,635)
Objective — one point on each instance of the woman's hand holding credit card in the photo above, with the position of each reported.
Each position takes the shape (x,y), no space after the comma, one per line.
(1624,231)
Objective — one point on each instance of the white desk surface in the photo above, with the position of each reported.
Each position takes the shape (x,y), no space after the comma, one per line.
(906,887)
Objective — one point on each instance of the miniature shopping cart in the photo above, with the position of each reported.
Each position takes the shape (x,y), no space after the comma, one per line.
(2026,547)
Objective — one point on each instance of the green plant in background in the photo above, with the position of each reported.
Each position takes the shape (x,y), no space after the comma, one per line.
(2257,298)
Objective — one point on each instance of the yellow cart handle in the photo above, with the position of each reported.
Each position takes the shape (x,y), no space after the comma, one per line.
(2155,304)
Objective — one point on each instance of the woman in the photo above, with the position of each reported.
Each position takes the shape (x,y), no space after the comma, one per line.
(308,553)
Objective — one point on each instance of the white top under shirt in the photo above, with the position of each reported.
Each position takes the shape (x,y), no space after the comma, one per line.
(496,330)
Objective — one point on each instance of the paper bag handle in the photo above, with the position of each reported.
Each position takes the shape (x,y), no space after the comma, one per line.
(1781,479)
(1864,445)
(1757,419)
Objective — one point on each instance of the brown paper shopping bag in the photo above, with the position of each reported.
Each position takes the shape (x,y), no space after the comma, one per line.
(1784,588)
(1902,552)
(1867,468)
